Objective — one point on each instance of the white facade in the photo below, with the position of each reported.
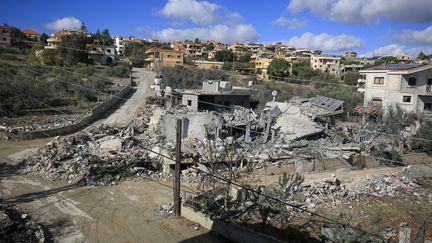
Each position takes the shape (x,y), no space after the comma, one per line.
(409,88)
(120,43)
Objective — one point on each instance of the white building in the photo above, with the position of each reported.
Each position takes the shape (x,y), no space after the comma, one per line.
(326,64)
(120,43)
(408,85)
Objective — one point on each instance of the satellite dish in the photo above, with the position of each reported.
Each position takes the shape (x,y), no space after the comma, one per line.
(274,93)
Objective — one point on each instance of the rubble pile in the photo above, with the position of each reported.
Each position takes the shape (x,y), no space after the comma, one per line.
(33,123)
(18,227)
(101,156)
(330,192)
(165,210)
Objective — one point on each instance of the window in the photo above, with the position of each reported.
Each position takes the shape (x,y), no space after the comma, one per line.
(4,39)
(169,56)
(377,102)
(428,107)
(189,102)
(406,99)
(178,56)
(379,80)
(412,81)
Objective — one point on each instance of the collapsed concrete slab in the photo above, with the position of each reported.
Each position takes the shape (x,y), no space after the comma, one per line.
(290,122)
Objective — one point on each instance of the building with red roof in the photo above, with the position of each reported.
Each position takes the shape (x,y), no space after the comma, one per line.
(32,34)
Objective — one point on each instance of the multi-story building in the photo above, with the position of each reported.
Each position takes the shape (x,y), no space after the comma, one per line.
(5,36)
(56,37)
(350,54)
(157,58)
(351,68)
(31,34)
(102,55)
(326,64)
(262,62)
(403,57)
(120,43)
(406,85)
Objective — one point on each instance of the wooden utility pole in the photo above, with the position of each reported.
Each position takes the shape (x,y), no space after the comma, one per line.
(176,182)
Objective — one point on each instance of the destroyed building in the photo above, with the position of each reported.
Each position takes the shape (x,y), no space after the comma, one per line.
(215,95)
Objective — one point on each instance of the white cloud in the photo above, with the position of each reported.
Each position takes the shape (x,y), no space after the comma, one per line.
(395,49)
(290,23)
(421,37)
(389,50)
(326,42)
(199,12)
(220,32)
(366,11)
(64,23)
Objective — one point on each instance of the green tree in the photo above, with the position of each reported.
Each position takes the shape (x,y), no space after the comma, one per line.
(136,53)
(224,56)
(83,28)
(245,57)
(209,47)
(43,38)
(106,38)
(72,50)
(389,59)
(351,78)
(424,134)
(279,67)
(421,56)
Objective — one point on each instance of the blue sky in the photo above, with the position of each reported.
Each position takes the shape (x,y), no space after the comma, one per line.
(371,27)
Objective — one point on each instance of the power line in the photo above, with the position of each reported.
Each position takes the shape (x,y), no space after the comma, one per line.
(252,190)
(214,104)
(66,82)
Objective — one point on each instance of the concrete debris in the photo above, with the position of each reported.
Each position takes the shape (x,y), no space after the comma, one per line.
(33,123)
(165,210)
(100,156)
(16,226)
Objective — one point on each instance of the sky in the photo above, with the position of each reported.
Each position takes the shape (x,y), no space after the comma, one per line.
(370,27)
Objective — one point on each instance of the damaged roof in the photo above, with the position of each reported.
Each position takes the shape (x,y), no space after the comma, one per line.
(326,103)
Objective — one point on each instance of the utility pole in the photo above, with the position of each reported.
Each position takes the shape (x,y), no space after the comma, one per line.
(176,182)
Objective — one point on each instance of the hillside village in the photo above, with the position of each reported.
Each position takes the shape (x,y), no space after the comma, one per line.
(265,142)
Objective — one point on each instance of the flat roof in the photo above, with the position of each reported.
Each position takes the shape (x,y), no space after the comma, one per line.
(399,68)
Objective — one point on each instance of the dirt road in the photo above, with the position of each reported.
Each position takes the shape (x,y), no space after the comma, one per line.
(121,213)
(130,109)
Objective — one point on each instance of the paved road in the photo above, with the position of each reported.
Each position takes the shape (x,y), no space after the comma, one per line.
(131,108)
(121,213)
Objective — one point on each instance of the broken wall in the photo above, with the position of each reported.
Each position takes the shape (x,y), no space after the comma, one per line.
(195,126)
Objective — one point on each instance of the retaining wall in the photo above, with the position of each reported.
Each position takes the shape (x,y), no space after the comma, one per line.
(229,231)
(98,112)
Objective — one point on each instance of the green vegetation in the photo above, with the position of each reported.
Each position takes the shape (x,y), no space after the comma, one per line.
(351,78)
(209,47)
(224,56)
(263,94)
(279,67)
(394,121)
(245,57)
(425,132)
(180,77)
(135,51)
(422,56)
(303,71)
